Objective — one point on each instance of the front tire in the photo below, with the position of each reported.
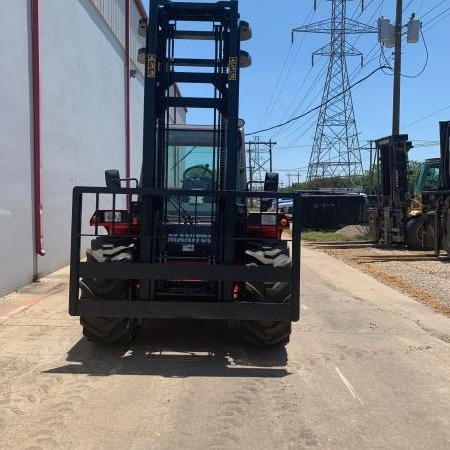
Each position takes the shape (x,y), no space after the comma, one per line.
(108,330)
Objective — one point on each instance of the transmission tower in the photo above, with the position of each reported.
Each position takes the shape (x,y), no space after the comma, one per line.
(336,151)
(259,158)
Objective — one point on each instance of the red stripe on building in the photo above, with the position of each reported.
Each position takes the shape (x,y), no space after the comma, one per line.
(21,308)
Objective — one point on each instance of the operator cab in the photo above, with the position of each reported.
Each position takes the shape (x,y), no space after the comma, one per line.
(195,162)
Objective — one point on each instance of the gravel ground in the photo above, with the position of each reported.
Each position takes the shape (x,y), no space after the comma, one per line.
(421,275)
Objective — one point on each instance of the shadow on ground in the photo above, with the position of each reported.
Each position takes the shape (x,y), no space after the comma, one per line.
(177,348)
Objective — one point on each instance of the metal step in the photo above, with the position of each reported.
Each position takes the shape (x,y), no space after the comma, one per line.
(245,60)
(195,62)
(193,77)
(194,35)
(195,102)
(194,11)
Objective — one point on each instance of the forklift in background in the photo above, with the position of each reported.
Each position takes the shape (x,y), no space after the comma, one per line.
(389,221)
(436,202)
(398,216)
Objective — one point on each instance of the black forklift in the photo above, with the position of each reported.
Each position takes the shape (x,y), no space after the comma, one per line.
(193,239)
(436,201)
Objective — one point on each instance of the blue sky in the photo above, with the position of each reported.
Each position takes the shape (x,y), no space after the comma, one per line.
(282,83)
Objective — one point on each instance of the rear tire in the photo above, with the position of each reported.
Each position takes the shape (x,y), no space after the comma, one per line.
(108,330)
(267,333)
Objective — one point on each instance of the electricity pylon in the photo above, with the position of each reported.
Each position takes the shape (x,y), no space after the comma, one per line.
(259,159)
(336,151)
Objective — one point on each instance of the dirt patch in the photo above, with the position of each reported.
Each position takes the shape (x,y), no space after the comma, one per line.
(354,231)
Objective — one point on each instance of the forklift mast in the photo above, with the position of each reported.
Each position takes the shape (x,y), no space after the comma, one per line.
(444,130)
(437,203)
(388,218)
(393,165)
(217,73)
(220,71)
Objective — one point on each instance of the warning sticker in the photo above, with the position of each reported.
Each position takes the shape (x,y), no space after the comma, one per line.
(232,68)
(151,66)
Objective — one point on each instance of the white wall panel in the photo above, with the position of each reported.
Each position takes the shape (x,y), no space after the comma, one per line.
(16,201)
(83,131)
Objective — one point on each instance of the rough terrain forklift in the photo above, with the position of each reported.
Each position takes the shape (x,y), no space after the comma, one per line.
(192,239)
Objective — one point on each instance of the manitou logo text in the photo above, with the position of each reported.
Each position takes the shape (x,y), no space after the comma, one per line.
(189,238)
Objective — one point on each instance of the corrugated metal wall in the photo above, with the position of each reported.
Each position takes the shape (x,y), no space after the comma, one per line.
(136,41)
(113,11)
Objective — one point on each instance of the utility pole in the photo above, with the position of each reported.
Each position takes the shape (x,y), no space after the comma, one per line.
(397,69)
(391,36)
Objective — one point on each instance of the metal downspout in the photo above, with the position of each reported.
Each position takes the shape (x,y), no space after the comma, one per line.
(37,155)
(127,93)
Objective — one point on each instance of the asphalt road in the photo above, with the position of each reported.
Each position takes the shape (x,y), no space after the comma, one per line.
(367,368)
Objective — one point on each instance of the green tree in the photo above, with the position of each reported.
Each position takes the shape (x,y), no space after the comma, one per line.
(369,181)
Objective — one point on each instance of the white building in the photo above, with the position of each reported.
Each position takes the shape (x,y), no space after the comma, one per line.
(71,103)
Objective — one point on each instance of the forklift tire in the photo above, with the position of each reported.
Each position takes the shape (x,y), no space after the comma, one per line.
(108,330)
(414,229)
(267,333)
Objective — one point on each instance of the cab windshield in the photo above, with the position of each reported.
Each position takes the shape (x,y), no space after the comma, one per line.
(429,177)
(191,162)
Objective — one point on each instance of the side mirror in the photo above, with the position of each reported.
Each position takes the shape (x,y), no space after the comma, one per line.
(271,182)
(112,178)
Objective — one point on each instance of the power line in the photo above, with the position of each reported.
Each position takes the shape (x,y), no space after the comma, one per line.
(432,9)
(319,106)
(427,116)
(278,87)
(302,101)
(407,6)
(426,60)
(441,17)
